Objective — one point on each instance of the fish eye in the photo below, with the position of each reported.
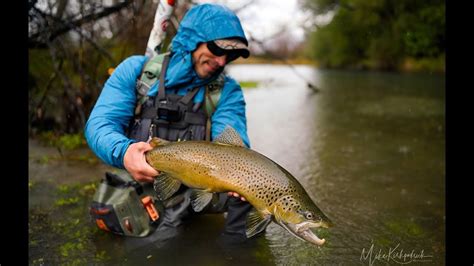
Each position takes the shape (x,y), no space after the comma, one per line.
(309,215)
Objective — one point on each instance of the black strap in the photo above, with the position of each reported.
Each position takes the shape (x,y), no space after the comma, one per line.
(161,87)
(138,188)
(208,122)
(115,180)
(186,98)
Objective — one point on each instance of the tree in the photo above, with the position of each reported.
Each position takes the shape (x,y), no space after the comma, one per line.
(72,44)
(377,34)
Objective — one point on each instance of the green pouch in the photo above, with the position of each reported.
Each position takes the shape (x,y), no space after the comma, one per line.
(124,206)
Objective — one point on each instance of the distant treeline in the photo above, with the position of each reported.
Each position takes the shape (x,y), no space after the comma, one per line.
(379,34)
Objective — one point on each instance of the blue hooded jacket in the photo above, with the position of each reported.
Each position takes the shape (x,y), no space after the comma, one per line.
(114,109)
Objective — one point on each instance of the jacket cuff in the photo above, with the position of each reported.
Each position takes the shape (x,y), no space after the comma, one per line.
(119,153)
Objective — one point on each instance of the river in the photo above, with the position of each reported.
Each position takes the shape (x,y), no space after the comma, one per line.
(369,148)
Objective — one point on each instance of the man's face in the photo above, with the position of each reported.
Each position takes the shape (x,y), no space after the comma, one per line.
(206,63)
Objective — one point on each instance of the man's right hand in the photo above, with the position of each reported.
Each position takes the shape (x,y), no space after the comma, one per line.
(135,162)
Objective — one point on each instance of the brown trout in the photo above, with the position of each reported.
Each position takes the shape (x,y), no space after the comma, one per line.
(227,165)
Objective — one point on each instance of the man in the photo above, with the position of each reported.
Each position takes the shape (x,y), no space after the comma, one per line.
(209,37)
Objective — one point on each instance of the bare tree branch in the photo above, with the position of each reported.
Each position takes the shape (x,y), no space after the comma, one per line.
(67,26)
(48,86)
(99,48)
(61,8)
(68,87)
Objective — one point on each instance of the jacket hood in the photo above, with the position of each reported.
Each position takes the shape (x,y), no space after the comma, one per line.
(202,23)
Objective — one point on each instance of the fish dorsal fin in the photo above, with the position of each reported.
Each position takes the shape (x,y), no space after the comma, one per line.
(157,142)
(165,186)
(230,136)
(256,222)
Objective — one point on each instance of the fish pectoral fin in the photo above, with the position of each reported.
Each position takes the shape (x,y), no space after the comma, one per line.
(165,186)
(200,199)
(256,222)
(157,142)
(230,136)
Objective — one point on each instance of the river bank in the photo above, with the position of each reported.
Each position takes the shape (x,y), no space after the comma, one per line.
(407,65)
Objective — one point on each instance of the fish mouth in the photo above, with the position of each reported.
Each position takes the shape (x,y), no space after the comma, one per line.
(303,231)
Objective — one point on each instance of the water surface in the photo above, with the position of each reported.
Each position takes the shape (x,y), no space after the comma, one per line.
(369,148)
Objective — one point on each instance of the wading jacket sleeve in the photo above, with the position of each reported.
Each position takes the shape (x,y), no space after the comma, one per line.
(113,111)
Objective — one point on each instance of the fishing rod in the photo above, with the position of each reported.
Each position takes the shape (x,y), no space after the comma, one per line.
(310,85)
(158,32)
(161,22)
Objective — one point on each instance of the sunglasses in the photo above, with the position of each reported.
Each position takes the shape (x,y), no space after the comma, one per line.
(217,51)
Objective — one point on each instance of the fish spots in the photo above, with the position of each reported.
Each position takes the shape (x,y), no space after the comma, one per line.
(231,167)
(289,203)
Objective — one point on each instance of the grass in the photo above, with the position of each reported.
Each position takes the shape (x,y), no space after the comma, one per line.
(248,84)
(64,141)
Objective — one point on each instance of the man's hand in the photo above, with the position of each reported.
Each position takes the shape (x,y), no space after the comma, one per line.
(235,194)
(135,162)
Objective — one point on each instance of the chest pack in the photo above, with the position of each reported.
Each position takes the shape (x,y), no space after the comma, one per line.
(120,204)
(168,115)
